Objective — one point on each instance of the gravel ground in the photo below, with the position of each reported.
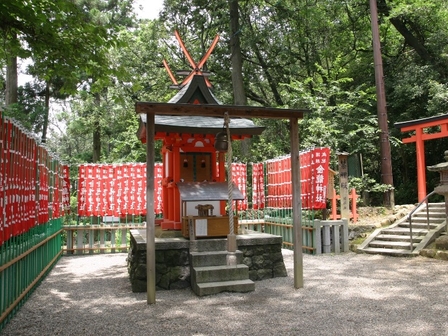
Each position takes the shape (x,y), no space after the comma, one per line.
(346,294)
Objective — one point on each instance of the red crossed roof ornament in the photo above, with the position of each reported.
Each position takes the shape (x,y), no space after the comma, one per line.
(197,67)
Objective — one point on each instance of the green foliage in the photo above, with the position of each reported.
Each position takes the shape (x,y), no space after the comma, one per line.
(296,54)
(368,186)
(30,109)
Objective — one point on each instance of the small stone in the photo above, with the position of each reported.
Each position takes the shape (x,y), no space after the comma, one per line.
(442,243)
(431,253)
(247,262)
(385,222)
(442,255)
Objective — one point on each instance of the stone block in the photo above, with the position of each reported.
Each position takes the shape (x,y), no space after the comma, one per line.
(442,243)
(442,255)
(264,274)
(138,286)
(140,272)
(280,270)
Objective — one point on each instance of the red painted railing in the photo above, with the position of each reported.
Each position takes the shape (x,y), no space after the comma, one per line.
(353,210)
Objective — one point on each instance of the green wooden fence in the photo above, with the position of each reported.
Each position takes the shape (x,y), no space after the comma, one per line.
(24,261)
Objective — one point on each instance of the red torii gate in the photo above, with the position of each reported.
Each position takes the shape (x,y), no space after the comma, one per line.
(418,127)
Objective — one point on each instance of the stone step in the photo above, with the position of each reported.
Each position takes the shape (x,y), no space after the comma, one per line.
(212,258)
(432,217)
(395,241)
(390,244)
(404,231)
(205,245)
(425,219)
(432,214)
(436,205)
(219,273)
(399,237)
(418,225)
(210,288)
(385,251)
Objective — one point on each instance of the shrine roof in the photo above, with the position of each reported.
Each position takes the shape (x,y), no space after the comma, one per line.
(422,121)
(194,87)
(203,125)
(207,191)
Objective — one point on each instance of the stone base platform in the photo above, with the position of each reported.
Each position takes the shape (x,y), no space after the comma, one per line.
(262,253)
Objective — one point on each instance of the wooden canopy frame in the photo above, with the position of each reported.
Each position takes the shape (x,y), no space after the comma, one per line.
(152,109)
(218,110)
(418,128)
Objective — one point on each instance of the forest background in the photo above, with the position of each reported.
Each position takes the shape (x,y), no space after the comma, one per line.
(91,60)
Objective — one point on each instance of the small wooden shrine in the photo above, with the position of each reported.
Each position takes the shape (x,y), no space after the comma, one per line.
(193,181)
(160,121)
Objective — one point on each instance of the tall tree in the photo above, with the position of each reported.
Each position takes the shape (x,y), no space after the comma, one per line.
(111,15)
(61,38)
(141,79)
(239,95)
(386,164)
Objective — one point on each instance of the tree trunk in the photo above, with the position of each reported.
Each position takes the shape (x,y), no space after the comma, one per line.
(96,154)
(11,82)
(47,112)
(386,159)
(239,95)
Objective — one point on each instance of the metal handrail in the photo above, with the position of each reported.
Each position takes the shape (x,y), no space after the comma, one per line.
(411,245)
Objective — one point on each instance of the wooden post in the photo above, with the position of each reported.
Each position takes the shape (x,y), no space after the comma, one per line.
(124,243)
(91,235)
(150,219)
(317,244)
(112,240)
(296,203)
(336,238)
(80,241)
(343,185)
(102,241)
(70,245)
(345,246)
(326,237)
(354,198)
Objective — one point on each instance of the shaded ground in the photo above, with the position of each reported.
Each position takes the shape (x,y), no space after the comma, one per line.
(345,294)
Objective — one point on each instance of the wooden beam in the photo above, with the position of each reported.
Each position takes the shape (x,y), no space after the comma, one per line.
(218,110)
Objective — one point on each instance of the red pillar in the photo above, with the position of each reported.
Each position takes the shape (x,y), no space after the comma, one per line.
(421,168)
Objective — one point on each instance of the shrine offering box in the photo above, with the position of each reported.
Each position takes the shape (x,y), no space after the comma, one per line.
(208,227)
(203,203)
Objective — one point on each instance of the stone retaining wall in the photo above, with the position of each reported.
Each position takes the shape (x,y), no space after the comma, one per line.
(261,252)
(263,256)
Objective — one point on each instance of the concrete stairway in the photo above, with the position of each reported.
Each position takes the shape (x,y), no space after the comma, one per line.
(395,240)
(210,273)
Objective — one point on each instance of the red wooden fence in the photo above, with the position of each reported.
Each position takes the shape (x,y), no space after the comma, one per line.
(31,182)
